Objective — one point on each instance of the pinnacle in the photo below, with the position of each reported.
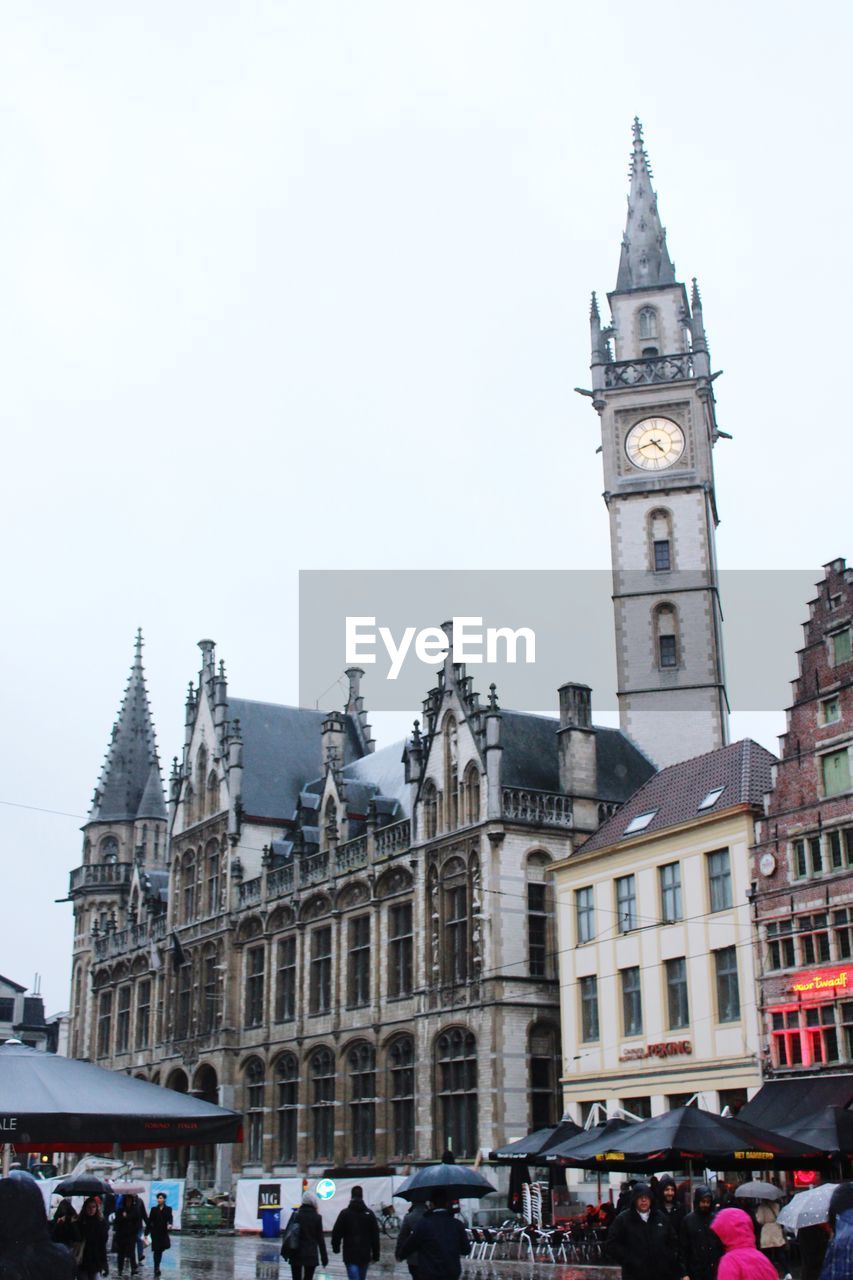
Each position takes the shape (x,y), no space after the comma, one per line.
(645,258)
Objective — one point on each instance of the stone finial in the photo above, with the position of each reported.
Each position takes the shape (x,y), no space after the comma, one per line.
(493,698)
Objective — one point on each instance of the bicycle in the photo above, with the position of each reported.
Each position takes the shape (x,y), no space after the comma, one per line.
(389,1222)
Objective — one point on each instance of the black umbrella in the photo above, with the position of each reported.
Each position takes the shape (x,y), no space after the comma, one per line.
(459,1183)
(86,1184)
(52,1103)
(532,1149)
(830,1129)
(717,1142)
(587,1141)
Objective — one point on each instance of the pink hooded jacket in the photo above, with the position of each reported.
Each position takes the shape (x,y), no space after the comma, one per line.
(741,1261)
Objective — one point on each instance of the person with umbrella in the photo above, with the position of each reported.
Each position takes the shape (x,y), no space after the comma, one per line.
(439,1240)
(26,1249)
(357,1230)
(701,1248)
(641,1240)
(93,1234)
(838,1263)
(64,1229)
(159,1222)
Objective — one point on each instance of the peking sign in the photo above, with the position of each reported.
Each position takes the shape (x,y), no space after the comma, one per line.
(822,982)
(665,1049)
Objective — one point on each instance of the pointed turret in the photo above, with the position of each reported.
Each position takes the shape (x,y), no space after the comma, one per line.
(645,259)
(130,785)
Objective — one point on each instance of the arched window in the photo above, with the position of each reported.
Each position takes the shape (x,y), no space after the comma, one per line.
(361,1069)
(456,1089)
(543,1051)
(540,918)
(212,805)
(188,871)
(109,849)
(660,541)
(648,322)
(471,794)
(253,1076)
(456,948)
(451,774)
(211,875)
(401,1072)
(208,1014)
(287,1104)
(200,779)
(429,808)
(666,636)
(322,1072)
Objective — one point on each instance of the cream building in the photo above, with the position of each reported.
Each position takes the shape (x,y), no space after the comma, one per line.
(657,981)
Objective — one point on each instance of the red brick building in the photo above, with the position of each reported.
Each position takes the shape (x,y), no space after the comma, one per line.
(803,859)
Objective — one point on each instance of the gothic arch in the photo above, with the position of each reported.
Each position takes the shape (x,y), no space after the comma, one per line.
(397,880)
(470,795)
(282,918)
(316,906)
(667,639)
(450,734)
(249,929)
(659,537)
(353,895)
(429,810)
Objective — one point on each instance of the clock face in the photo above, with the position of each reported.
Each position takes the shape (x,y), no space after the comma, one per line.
(767,865)
(654,444)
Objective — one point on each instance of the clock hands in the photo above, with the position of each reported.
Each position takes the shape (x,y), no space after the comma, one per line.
(657,444)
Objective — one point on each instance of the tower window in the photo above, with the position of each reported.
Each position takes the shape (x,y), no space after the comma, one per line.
(668,657)
(662,557)
(666,629)
(648,322)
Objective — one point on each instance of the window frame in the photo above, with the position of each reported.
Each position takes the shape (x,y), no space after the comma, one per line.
(670,891)
(731,976)
(719,881)
(632,995)
(677,993)
(626,921)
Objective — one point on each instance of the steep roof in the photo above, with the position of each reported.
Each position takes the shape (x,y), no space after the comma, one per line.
(9,983)
(379,774)
(741,774)
(130,785)
(644,260)
(530,757)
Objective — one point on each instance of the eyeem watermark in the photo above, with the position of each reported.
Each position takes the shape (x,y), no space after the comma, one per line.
(471,643)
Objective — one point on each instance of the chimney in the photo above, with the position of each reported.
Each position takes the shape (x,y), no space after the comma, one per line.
(576,742)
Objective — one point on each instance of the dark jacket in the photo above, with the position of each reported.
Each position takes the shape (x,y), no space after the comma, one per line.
(64,1229)
(159,1221)
(645,1250)
(838,1263)
(129,1220)
(357,1229)
(93,1232)
(677,1213)
(440,1242)
(411,1220)
(701,1248)
(312,1242)
(26,1250)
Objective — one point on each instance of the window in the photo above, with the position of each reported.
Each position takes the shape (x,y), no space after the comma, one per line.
(589,1008)
(835,849)
(400,950)
(320,977)
(842,924)
(143,1014)
(456,933)
(105,1020)
(648,322)
(254,1110)
(676,1100)
(785,1035)
(626,903)
(814,938)
(835,772)
(123,1019)
(358,975)
(821,1034)
(780,944)
(728,991)
(632,1007)
(470,794)
(676,994)
(401,1068)
(585,914)
(711,798)
(285,990)
(287,1102)
(587,1108)
(212,872)
(451,774)
(840,646)
(456,1053)
(666,630)
(720,880)
(429,804)
(537,930)
(660,547)
(7,1008)
(544,1072)
(255,987)
(734,1099)
(188,889)
(183,1008)
(322,1069)
(670,892)
(668,656)
(639,823)
(846,1010)
(361,1065)
(639,1107)
(830,710)
(209,993)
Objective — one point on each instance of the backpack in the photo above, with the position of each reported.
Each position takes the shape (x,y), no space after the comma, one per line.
(290,1241)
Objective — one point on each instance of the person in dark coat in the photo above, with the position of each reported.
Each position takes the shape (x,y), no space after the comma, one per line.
(838,1262)
(411,1220)
(64,1227)
(26,1249)
(439,1240)
(129,1220)
(701,1248)
(93,1233)
(668,1202)
(641,1240)
(357,1230)
(159,1221)
(311,1249)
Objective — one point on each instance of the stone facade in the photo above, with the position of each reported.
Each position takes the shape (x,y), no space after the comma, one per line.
(803,856)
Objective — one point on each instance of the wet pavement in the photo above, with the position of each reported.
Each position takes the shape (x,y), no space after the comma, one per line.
(226,1257)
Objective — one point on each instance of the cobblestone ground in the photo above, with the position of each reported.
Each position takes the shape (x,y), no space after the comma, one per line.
(250,1258)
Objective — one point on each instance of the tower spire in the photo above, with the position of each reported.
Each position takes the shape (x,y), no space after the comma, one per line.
(130,785)
(645,259)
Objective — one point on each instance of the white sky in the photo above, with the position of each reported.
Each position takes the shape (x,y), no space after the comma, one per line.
(305,285)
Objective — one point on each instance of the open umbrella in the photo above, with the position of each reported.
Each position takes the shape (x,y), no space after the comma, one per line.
(532,1149)
(687,1133)
(458,1181)
(758,1191)
(830,1129)
(588,1140)
(85,1184)
(52,1103)
(808,1208)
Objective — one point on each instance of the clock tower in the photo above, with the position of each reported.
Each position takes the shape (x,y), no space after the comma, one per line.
(652,387)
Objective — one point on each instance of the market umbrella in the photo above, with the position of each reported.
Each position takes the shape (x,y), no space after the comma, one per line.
(85,1184)
(758,1191)
(529,1150)
(687,1133)
(808,1208)
(52,1103)
(458,1181)
(830,1129)
(588,1141)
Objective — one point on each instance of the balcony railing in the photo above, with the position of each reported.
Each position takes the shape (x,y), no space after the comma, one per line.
(100,875)
(117,942)
(635,373)
(315,869)
(249,892)
(542,808)
(280,881)
(351,855)
(393,838)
